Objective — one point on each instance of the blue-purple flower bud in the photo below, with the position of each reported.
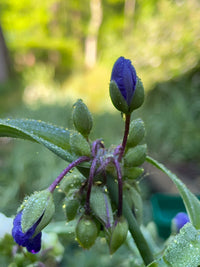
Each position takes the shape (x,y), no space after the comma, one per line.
(123,86)
(33,215)
(179,221)
(27,239)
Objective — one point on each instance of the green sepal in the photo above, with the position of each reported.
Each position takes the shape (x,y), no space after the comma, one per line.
(101,206)
(136,133)
(132,173)
(79,145)
(134,200)
(82,118)
(135,156)
(117,98)
(73,180)
(86,231)
(119,234)
(70,206)
(138,97)
(39,204)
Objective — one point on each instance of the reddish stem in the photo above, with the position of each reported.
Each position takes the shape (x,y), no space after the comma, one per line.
(65,171)
(126,131)
(90,181)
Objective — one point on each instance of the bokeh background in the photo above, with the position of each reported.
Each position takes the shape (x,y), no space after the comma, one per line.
(54,52)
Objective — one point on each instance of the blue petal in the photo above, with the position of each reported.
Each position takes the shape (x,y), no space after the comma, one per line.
(181,219)
(33,245)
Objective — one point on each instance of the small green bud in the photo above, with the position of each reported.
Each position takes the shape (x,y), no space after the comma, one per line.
(101,206)
(119,234)
(133,172)
(136,133)
(134,199)
(79,145)
(71,205)
(73,180)
(86,231)
(82,118)
(37,205)
(135,156)
(138,98)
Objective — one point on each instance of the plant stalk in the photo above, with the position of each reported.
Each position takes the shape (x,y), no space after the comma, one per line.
(126,131)
(65,171)
(134,228)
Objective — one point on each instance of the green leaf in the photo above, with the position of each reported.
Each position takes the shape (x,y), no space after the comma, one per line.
(183,250)
(52,137)
(192,204)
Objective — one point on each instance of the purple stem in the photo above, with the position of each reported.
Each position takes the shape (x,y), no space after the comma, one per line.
(90,181)
(97,143)
(126,131)
(65,171)
(120,187)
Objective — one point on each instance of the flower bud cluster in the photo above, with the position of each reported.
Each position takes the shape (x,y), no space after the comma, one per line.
(87,201)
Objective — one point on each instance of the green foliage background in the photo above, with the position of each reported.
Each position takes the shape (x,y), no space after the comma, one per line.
(46,44)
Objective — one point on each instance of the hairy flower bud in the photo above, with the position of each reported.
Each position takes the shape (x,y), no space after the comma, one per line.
(86,231)
(33,215)
(73,180)
(79,145)
(132,173)
(135,156)
(82,118)
(136,133)
(101,206)
(133,197)
(119,234)
(71,205)
(123,85)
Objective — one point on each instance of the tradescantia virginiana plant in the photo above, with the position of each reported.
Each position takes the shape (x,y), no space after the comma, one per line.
(103,196)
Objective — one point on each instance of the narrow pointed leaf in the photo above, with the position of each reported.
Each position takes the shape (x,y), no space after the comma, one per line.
(52,137)
(192,204)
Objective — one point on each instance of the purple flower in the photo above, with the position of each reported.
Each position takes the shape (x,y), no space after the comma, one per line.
(124,75)
(180,220)
(27,239)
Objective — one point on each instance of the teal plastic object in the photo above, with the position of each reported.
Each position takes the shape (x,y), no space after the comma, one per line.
(164,208)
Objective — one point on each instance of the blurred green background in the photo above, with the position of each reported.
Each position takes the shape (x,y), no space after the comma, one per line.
(53,52)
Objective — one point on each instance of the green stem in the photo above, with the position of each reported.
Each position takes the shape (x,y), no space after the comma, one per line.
(134,228)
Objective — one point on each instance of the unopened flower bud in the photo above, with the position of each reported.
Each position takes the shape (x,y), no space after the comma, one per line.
(135,156)
(33,215)
(79,145)
(123,85)
(73,180)
(82,118)
(133,197)
(86,231)
(119,234)
(136,133)
(133,173)
(71,205)
(101,206)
